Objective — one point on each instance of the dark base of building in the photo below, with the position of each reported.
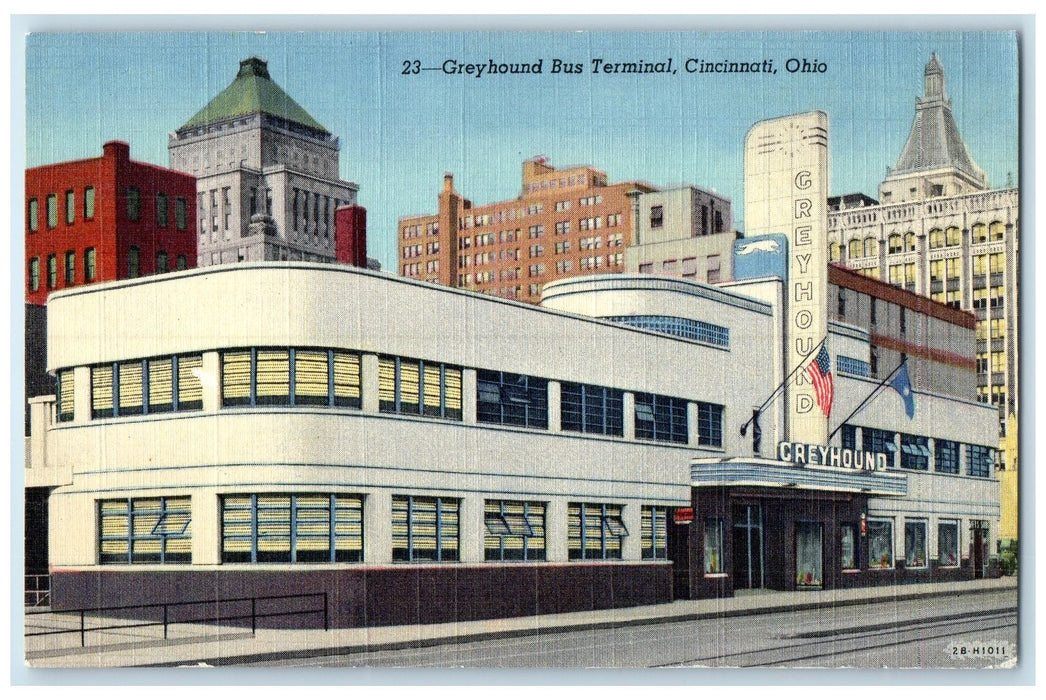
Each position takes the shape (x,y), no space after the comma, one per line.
(369,597)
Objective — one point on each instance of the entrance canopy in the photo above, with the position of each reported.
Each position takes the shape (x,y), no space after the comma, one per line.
(748,471)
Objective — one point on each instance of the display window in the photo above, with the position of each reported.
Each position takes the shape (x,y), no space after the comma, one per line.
(880,544)
(809,559)
(714,546)
(948,543)
(848,544)
(915,544)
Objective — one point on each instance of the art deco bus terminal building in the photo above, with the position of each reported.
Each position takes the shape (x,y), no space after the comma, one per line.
(426,454)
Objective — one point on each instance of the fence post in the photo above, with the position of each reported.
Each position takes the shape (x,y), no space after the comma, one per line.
(83,642)
(254,621)
(326,624)
(165,620)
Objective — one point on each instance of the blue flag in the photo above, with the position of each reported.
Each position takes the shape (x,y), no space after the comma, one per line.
(903,385)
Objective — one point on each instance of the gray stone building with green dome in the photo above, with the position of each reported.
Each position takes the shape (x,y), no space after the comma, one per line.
(266,172)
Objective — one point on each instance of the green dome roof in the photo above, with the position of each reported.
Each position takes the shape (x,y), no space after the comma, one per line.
(252,91)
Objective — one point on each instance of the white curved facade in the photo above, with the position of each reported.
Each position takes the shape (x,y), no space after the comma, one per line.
(590,428)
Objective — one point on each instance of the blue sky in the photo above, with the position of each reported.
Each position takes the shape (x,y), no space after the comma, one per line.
(399,134)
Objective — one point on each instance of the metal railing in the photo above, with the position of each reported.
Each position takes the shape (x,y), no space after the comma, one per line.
(167,621)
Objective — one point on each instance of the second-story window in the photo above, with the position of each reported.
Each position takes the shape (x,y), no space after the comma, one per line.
(290,377)
(419,387)
(52,271)
(505,398)
(89,265)
(70,267)
(661,418)
(133,262)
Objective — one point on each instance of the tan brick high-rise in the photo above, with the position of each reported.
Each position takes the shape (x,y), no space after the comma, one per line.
(565,222)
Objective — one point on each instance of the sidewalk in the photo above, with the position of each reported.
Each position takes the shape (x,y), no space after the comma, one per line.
(221,646)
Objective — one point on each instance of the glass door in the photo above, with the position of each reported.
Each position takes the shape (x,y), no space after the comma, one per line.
(748,546)
(809,554)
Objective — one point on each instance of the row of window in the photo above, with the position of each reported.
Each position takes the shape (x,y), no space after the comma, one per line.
(686,268)
(290,377)
(328,528)
(880,543)
(90,267)
(134,208)
(416,230)
(567,181)
(853,366)
(937,238)
(304,203)
(406,386)
(137,387)
(916,552)
(674,325)
(915,451)
(33,214)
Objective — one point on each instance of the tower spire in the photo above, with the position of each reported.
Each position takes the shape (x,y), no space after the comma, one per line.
(934,162)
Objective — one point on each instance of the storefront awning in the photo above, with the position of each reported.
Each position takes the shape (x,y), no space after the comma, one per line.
(742,471)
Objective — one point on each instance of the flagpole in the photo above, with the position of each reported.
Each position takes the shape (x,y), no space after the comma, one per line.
(868,399)
(782,385)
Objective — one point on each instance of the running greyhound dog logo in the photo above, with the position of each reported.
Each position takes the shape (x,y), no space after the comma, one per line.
(765,246)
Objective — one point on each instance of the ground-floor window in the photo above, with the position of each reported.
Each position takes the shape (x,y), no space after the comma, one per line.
(595,531)
(915,544)
(948,543)
(292,528)
(425,528)
(880,544)
(849,559)
(515,531)
(145,531)
(809,559)
(714,563)
(654,532)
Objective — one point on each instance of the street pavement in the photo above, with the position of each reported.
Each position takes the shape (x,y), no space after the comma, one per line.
(212,645)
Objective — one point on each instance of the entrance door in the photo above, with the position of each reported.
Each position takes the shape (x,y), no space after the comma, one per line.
(809,554)
(679,553)
(748,546)
(980,554)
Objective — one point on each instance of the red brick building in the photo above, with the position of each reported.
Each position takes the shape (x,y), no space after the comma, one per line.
(566,222)
(103,219)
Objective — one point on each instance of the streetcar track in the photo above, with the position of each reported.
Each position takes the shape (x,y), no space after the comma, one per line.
(539,648)
(849,634)
(880,646)
(842,638)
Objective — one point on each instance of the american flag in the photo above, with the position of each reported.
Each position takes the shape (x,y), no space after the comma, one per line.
(820,371)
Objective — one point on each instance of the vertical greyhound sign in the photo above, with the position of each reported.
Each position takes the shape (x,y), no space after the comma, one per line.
(786,190)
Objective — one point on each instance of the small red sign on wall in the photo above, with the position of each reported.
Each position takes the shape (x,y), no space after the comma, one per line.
(683,516)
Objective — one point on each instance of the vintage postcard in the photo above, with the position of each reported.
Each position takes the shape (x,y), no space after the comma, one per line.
(522,349)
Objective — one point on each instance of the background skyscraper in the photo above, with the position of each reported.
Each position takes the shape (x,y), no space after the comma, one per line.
(266,171)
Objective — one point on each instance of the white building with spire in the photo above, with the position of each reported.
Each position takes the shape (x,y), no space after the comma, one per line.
(939,230)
